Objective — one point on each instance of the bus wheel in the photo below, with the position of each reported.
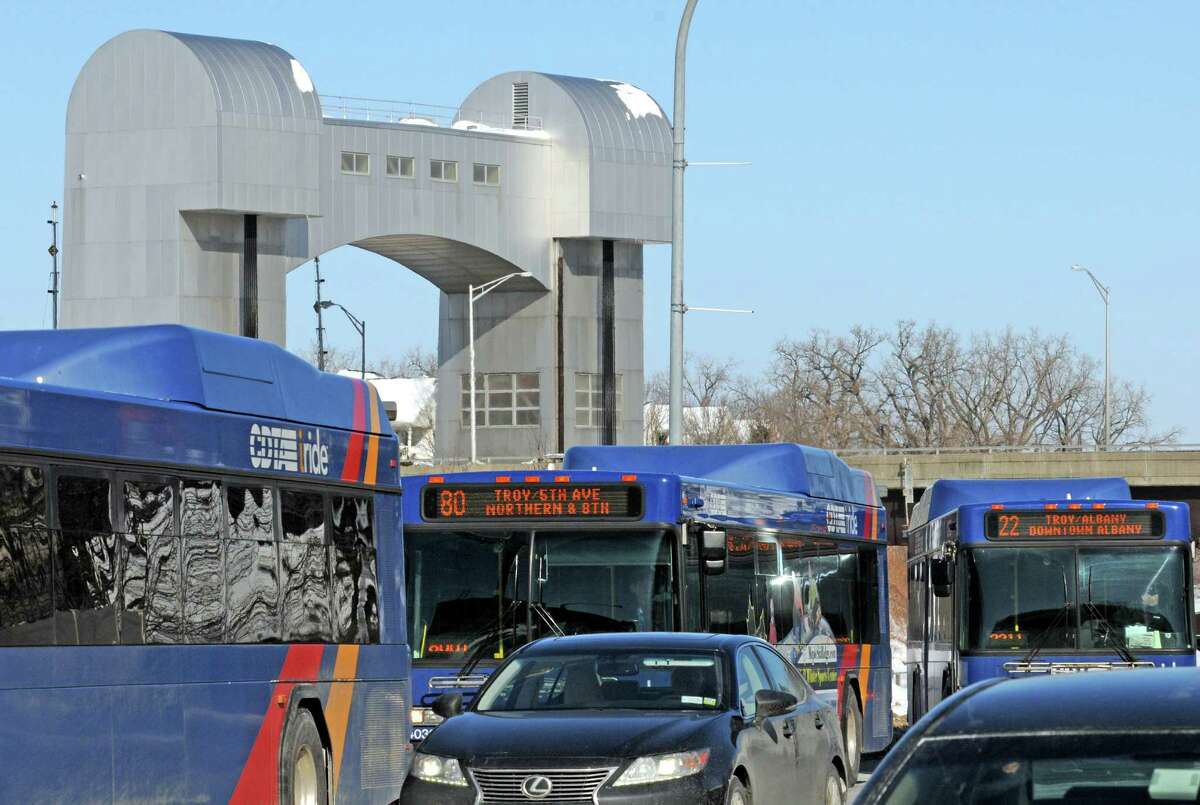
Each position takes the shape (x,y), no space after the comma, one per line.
(852,735)
(304,771)
(736,793)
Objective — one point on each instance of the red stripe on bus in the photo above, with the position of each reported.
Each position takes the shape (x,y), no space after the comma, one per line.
(354,450)
(259,781)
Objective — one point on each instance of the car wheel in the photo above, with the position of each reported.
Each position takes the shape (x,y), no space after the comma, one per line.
(736,793)
(302,781)
(835,789)
(852,736)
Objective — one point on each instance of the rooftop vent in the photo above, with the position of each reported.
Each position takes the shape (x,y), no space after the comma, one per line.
(520,104)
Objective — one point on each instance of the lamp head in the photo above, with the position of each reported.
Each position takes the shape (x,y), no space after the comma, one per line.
(324,304)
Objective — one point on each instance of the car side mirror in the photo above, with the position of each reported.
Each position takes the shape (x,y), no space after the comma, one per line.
(448,705)
(713,552)
(769,703)
(941,576)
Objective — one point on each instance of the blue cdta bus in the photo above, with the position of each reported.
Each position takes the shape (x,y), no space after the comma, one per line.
(201,584)
(1011,578)
(781,541)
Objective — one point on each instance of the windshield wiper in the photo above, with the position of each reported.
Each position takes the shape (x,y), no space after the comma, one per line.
(543,613)
(1044,637)
(478,655)
(1118,643)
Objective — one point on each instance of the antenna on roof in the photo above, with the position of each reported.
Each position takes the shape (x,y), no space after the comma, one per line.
(320,320)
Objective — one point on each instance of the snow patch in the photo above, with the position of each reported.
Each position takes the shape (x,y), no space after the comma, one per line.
(637,102)
(300,76)
(418,121)
(471,125)
(899,678)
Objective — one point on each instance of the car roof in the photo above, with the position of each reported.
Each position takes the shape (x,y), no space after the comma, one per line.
(1103,701)
(639,641)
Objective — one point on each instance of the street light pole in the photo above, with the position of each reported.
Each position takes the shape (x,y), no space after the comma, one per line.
(1104,294)
(54,261)
(476,292)
(358,324)
(675,416)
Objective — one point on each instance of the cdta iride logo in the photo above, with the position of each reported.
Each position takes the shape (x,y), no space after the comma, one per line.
(288,449)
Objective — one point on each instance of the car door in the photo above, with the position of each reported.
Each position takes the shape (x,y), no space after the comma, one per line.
(766,744)
(808,724)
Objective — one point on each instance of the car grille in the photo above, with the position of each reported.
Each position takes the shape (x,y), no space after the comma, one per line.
(566,785)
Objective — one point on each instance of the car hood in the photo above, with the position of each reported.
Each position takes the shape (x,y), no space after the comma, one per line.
(569,733)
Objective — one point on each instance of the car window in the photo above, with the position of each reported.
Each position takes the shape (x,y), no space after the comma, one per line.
(780,673)
(751,679)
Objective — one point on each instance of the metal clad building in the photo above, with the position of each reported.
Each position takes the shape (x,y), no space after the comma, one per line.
(200,170)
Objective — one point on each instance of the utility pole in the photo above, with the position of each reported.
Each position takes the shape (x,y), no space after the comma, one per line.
(54,262)
(675,419)
(320,318)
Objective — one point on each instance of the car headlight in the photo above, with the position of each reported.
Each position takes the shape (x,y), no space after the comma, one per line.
(658,768)
(435,769)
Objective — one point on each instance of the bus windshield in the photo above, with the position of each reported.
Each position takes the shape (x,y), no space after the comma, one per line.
(479,594)
(1066,598)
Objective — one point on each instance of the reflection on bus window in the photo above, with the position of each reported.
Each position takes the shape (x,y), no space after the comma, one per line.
(25,563)
(355,591)
(304,568)
(150,564)
(251,572)
(203,561)
(86,598)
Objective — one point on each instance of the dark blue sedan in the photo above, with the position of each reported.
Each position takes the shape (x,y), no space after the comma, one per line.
(635,718)
(1106,737)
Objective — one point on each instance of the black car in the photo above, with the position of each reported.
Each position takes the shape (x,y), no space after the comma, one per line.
(635,718)
(1100,737)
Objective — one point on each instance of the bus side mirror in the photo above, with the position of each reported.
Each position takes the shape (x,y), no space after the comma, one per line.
(713,552)
(941,576)
(448,705)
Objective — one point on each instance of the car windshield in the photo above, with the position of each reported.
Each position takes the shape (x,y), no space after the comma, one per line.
(480,594)
(643,680)
(1063,768)
(1076,599)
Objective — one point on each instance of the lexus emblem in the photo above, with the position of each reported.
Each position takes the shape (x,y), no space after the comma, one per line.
(537,787)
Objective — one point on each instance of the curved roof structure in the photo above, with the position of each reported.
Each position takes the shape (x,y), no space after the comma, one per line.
(619,117)
(254,78)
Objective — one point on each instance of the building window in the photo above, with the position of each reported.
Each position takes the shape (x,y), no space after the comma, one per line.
(502,399)
(487,174)
(441,170)
(402,167)
(589,399)
(355,163)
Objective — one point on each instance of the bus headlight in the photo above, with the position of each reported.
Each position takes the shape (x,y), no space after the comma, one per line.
(659,768)
(423,716)
(436,769)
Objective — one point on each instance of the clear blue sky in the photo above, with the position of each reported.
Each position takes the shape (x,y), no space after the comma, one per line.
(937,160)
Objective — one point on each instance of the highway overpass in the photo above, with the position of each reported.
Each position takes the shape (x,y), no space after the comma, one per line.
(1170,472)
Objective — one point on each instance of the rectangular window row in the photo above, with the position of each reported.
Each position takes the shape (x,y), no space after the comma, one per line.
(589,399)
(502,399)
(145,559)
(355,163)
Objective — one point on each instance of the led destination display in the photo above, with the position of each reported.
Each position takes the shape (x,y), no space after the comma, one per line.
(558,501)
(1073,523)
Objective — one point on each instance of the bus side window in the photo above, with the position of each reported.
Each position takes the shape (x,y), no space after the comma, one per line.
(26,597)
(201,515)
(304,566)
(86,596)
(149,586)
(730,595)
(355,589)
(251,566)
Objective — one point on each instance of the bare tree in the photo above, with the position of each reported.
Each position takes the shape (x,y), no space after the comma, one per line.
(417,361)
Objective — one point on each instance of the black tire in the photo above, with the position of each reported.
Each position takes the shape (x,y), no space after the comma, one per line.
(851,736)
(736,793)
(835,788)
(303,776)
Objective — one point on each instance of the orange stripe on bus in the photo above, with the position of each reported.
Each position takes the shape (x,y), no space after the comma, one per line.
(373,441)
(864,675)
(337,711)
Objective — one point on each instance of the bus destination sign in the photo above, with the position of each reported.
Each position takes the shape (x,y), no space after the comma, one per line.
(531,501)
(1073,523)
